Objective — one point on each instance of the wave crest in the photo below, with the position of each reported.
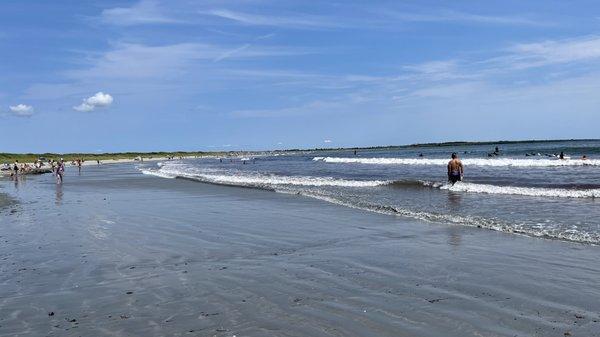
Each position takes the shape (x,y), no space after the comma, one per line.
(258,179)
(507,190)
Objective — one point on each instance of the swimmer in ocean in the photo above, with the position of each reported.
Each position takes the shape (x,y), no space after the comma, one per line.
(455,169)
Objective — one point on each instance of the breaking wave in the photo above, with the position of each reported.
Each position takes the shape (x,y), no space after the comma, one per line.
(525,191)
(542,230)
(263,180)
(330,191)
(257,179)
(507,190)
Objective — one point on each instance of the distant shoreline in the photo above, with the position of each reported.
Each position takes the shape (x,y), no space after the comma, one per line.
(453,143)
(31,157)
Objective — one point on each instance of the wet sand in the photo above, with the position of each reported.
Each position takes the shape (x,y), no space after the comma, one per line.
(115,253)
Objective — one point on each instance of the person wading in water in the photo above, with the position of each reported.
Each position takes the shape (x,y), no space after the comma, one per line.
(455,169)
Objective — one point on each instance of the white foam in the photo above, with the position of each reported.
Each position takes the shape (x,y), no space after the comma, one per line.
(256,179)
(551,232)
(158,173)
(467,161)
(526,191)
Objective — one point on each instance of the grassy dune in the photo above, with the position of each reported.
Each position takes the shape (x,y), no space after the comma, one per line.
(31,157)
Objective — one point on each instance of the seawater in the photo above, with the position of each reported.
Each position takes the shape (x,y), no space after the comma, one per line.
(524,189)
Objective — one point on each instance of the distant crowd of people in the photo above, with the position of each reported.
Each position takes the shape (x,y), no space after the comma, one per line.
(22,168)
(56,167)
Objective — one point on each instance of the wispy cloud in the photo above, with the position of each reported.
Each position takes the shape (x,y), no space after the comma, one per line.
(291,21)
(316,107)
(143,12)
(436,71)
(550,52)
(468,81)
(232,52)
(462,17)
(137,61)
(508,64)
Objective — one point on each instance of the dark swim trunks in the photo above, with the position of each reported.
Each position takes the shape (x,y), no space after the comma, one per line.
(453,178)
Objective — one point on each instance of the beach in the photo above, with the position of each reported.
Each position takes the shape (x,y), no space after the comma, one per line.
(86,162)
(114,252)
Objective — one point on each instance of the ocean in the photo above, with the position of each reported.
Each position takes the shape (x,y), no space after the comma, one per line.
(524,188)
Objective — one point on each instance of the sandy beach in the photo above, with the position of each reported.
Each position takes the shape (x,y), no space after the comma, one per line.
(112,252)
(87,162)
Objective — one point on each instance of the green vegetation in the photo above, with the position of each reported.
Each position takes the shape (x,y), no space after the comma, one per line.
(456,143)
(32,157)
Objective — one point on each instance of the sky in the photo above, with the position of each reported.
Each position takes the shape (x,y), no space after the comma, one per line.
(150,75)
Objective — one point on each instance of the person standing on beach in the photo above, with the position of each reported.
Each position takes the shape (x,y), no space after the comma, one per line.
(60,170)
(455,169)
(16,167)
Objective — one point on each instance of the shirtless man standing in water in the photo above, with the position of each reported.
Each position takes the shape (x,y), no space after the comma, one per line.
(455,169)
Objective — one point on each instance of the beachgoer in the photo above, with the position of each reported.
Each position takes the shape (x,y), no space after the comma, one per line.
(584,157)
(561,155)
(60,170)
(16,167)
(455,169)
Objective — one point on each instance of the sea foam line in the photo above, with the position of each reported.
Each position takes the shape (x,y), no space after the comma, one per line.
(262,179)
(573,235)
(525,191)
(467,161)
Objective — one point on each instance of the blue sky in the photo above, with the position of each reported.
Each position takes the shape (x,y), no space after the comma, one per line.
(263,74)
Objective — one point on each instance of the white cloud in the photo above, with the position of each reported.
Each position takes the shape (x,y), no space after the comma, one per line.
(144,12)
(327,141)
(99,100)
(21,110)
